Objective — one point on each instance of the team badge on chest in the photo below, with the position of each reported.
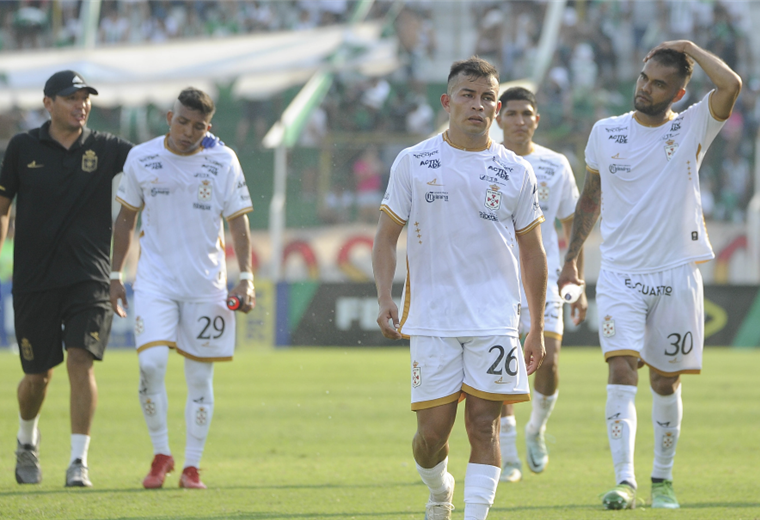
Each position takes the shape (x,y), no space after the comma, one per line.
(89,161)
(608,327)
(543,192)
(493,197)
(670,148)
(205,191)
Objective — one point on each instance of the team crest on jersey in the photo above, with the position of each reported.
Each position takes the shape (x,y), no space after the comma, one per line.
(670,148)
(416,375)
(608,327)
(26,350)
(89,161)
(205,191)
(493,198)
(616,430)
(139,326)
(543,192)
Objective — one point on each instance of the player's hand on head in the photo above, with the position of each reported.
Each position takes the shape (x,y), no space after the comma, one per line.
(118,292)
(579,308)
(387,319)
(676,45)
(210,141)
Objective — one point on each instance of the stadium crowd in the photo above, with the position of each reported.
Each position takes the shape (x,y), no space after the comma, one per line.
(600,48)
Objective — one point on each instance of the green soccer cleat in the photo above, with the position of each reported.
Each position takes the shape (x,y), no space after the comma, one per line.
(622,496)
(537,455)
(511,472)
(663,496)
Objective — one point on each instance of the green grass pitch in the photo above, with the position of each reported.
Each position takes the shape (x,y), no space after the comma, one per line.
(325,434)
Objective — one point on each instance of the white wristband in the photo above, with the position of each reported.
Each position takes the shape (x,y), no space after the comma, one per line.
(246,276)
(116,275)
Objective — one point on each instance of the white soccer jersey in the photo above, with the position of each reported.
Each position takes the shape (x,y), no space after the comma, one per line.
(557,196)
(651,208)
(463,208)
(182,199)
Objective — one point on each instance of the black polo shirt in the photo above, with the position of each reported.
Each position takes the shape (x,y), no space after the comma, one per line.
(63,206)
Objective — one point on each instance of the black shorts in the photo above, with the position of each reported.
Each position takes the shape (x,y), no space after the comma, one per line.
(76,316)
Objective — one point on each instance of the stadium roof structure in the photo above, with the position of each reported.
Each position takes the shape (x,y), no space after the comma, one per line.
(260,65)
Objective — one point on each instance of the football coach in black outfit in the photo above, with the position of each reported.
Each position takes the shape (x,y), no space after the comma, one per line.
(61,175)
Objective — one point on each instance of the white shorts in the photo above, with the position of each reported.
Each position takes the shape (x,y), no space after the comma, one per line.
(658,317)
(445,369)
(554,324)
(202,331)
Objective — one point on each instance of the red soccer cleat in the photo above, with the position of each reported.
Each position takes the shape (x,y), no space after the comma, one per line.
(161,466)
(190,479)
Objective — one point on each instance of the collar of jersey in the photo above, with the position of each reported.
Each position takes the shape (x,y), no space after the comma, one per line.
(670,118)
(448,141)
(166,145)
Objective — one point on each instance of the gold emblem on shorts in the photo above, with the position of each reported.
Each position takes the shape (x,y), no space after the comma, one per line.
(26,350)
(89,161)
(95,336)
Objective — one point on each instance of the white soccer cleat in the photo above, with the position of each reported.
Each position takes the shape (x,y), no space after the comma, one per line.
(537,455)
(511,472)
(441,508)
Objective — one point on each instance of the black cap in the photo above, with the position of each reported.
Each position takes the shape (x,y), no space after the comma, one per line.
(66,82)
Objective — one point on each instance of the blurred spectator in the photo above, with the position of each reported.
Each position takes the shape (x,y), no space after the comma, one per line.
(337,205)
(420,119)
(368,171)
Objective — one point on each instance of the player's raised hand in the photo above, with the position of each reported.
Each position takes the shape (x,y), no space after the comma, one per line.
(245,293)
(119,292)
(387,319)
(534,351)
(210,141)
(578,308)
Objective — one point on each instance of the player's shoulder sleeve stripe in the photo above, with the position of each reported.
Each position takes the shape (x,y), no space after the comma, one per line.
(238,213)
(531,226)
(388,211)
(127,205)
(709,105)
(589,168)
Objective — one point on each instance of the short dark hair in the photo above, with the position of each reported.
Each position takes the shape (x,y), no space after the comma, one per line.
(195,99)
(683,64)
(473,67)
(518,94)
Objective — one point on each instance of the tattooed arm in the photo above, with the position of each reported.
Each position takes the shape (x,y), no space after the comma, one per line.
(586,214)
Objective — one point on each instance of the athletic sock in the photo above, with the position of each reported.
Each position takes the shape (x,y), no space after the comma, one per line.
(621,430)
(435,479)
(199,409)
(154,401)
(27,430)
(79,446)
(542,409)
(508,439)
(480,484)
(667,413)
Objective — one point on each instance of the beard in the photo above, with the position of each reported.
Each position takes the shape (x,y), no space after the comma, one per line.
(650,109)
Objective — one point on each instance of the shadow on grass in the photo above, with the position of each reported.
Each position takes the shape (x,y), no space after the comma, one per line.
(706,505)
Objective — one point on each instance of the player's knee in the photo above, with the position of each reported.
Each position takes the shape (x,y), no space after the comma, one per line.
(430,439)
(664,385)
(481,427)
(78,358)
(622,370)
(153,363)
(37,382)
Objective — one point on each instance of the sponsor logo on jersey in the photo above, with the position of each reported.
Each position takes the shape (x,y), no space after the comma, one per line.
(501,173)
(205,191)
(34,164)
(416,375)
(420,155)
(159,191)
(434,182)
(611,129)
(147,158)
(676,125)
(670,149)
(206,207)
(618,138)
(433,196)
(26,350)
(608,327)
(89,161)
(649,290)
(154,165)
(617,156)
(502,164)
(431,163)
(488,216)
(669,135)
(492,180)
(202,175)
(211,168)
(615,168)
(493,198)
(543,192)
(240,184)
(546,170)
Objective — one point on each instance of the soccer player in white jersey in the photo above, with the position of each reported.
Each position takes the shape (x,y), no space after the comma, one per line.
(557,195)
(643,176)
(183,192)
(468,202)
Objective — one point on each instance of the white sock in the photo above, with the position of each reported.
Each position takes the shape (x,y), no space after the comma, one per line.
(27,430)
(198,410)
(153,399)
(667,412)
(542,409)
(435,479)
(508,439)
(79,446)
(480,483)
(621,430)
